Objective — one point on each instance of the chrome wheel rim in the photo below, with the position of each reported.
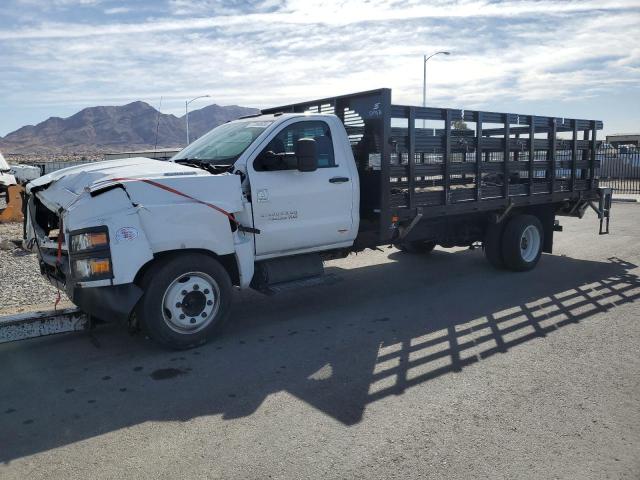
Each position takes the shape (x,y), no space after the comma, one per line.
(529,243)
(191,302)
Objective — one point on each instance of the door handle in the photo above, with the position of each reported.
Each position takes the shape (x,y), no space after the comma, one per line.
(338,179)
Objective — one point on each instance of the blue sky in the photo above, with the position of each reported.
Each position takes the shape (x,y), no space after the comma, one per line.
(549,57)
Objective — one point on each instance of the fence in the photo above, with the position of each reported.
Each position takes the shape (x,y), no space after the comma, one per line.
(48,167)
(620,169)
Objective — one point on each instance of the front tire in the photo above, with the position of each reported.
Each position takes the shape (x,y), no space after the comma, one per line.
(187,300)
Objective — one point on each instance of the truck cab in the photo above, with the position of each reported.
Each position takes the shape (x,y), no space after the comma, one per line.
(297,208)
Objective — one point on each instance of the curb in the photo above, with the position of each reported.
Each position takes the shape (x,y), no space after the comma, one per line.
(40,323)
(625,200)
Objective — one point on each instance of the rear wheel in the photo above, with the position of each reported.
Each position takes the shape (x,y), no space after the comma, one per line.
(492,245)
(522,243)
(187,300)
(418,246)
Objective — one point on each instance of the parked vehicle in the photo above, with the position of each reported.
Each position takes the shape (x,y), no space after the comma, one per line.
(262,201)
(25,173)
(6,178)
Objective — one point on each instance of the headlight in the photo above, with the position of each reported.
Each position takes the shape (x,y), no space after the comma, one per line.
(90,254)
(89,240)
(92,268)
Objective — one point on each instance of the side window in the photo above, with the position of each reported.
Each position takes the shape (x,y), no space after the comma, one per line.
(279,154)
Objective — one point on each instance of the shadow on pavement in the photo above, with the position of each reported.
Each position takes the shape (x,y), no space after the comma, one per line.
(385,328)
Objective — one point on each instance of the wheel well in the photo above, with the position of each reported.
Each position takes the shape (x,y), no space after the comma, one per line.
(227,261)
(546,214)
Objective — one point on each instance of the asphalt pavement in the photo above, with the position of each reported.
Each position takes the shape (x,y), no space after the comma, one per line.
(432,366)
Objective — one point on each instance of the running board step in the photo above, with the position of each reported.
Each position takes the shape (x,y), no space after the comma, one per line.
(328,279)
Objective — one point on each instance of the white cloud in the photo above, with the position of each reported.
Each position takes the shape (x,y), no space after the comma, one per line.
(524,50)
(116,10)
(330,13)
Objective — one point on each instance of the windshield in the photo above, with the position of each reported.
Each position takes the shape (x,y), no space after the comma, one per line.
(224,144)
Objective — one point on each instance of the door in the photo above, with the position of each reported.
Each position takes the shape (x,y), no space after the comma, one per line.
(297,210)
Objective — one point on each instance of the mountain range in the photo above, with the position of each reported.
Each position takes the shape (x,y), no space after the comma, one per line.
(117,128)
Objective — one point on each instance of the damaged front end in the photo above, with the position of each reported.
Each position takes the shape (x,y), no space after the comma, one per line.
(95,228)
(44,235)
(77,262)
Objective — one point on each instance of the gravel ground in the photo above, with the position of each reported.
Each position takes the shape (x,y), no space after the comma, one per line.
(23,288)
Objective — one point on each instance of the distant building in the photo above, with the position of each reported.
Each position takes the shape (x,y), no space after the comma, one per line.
(624,139)
(158,154)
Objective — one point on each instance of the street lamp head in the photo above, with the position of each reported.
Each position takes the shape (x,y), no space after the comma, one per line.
(434,54)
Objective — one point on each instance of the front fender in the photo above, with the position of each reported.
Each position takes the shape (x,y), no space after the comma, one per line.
(178,227)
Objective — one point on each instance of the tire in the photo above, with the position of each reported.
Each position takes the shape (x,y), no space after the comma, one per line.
(417,246)
(180,320)
(492,245)
(522,242)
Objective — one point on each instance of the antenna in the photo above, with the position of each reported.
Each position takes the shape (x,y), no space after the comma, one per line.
(155,146)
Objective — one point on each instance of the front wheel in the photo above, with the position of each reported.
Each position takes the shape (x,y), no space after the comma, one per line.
(186,301)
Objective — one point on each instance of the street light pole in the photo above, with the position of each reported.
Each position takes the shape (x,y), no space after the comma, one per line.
(424,78)
(186,112)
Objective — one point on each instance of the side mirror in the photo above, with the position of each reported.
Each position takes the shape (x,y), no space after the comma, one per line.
(307,155)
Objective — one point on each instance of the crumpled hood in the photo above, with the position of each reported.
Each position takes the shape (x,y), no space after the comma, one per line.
(64,186)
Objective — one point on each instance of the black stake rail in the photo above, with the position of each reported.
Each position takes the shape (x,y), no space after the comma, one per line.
(455,168)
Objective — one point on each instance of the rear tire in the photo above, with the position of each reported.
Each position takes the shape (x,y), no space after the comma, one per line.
(187,300)
(522,242)
(492,245)
(417,246)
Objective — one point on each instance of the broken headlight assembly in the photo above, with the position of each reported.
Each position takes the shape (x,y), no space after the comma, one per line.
(90,254)
(89,240)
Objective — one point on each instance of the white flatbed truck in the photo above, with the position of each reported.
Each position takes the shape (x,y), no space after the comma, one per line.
(261,202)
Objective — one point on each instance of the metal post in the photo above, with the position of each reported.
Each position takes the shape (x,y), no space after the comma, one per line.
(506,154)
(186,112)
(412,155)
(424,80)
(478,156)
(447,158)
(552,136)
(574,155)
(532,153)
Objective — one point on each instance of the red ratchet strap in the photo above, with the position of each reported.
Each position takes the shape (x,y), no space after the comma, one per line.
(230,216)
(60,238)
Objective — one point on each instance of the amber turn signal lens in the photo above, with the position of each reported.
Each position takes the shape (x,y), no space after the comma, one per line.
(99,267)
